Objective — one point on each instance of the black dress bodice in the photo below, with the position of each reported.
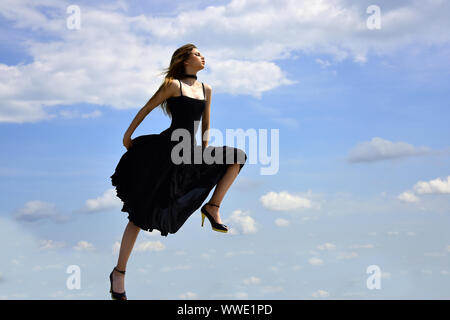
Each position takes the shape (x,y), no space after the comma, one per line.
(186,113)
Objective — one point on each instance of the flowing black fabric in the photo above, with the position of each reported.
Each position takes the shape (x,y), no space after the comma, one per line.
(158,193)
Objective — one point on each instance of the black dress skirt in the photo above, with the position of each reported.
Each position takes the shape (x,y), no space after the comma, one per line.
(159,193)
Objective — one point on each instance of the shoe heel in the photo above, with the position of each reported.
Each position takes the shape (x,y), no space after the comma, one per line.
(115,295)
(214,225)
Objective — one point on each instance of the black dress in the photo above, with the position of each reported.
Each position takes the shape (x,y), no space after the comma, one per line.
(159,193)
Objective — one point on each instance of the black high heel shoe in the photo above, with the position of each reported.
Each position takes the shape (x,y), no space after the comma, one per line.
(215,226)
(116,295)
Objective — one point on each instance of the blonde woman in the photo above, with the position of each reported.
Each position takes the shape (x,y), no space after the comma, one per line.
(157,192)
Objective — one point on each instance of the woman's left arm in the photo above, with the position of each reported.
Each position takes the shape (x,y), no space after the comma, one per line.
(206,116)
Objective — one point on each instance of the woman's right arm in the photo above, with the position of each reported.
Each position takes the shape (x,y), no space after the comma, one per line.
(154,101)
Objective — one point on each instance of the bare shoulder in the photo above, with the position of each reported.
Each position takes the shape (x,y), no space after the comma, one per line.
(208,88)
(174,86)
(171,88)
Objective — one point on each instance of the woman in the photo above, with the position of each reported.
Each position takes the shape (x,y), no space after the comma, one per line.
(157,192)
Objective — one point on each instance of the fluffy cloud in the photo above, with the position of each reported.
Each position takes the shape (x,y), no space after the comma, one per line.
(407,196)
(282,222)
(108,200)
(435,186)
(284,201)
(241,223)
(114,59)
(37,210)
(149,246)
(380,149)
(84,246)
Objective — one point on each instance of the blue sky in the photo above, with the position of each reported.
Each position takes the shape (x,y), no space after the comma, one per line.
(363,175)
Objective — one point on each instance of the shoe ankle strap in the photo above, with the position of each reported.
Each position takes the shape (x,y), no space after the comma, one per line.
(212,204)
(115,268)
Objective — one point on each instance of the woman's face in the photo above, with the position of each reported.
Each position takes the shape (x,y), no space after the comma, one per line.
(196,59)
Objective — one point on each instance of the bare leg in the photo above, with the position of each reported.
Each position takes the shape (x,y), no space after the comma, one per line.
(128,239)
(221,189)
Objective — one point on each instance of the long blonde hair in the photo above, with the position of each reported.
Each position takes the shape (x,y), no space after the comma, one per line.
(175,71)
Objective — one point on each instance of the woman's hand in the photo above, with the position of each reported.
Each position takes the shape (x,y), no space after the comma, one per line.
(127,142)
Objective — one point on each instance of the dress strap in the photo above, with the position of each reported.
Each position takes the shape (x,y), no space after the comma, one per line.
(181,92)
(204,95)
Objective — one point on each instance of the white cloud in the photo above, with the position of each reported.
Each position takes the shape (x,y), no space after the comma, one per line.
(149,246)
(408,196)
(50,244)
(320,294)
(241,223)
(37,210)
(281,222)
(435,186)
(284,201)
(315,261)
(326,246)
(84,246)
(114,58)
(108,200)
(239,71)
(252,280)
(380,149)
